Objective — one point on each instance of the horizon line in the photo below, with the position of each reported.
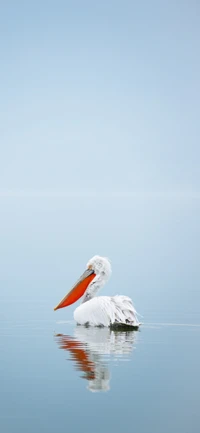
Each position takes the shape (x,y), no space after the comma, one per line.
(53,193)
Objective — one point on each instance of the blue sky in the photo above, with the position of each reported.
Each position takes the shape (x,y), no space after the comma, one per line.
(99,97)
(100,148)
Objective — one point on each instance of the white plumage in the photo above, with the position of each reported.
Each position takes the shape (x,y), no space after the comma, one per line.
(104,310)
(107,311)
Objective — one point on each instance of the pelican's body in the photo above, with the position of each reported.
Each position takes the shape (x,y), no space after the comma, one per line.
(107,311)
(103,310)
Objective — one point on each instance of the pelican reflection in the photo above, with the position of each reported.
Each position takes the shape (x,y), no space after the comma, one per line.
(92,349)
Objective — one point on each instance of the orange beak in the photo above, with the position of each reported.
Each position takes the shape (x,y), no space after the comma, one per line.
(77,290)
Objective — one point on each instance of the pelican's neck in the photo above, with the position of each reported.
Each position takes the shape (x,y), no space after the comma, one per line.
(96,284)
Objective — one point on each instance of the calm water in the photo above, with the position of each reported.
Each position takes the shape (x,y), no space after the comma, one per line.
(59,377)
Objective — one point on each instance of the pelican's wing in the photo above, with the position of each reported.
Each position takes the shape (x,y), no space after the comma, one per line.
(125,312)
(106,311)
(96,312)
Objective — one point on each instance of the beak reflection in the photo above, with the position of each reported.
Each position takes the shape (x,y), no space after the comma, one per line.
(89,349)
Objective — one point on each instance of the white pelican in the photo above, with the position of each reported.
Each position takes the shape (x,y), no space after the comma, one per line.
(103,310)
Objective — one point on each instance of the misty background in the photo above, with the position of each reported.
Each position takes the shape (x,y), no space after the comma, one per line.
(99,142)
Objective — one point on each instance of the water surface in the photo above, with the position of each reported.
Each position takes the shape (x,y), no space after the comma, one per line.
(56,376)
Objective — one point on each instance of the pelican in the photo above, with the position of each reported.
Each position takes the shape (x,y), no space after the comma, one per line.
(103,310)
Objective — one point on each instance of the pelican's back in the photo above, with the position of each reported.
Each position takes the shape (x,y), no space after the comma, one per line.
(107,311)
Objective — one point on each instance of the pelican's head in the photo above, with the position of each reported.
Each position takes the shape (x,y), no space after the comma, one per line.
(99,270)
(101,266)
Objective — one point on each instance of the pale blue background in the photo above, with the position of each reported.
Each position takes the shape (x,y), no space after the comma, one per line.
(100,96)
(100,148)
(99,136)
